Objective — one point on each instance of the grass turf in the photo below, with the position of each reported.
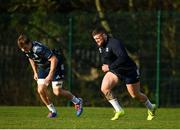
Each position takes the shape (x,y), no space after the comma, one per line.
(92,118)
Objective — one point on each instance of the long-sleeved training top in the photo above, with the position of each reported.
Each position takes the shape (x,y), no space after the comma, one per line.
(40,54)
(114,54)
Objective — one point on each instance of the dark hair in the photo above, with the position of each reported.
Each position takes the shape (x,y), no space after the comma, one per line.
(98,30)
(23,40)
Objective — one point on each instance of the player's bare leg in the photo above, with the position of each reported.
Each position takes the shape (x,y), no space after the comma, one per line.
(109,81)
(62,92)
(134,91)
(42,90)
(78,102)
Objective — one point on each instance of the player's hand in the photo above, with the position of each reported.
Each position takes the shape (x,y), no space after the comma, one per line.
(35,76)
(105,67)
(48,79)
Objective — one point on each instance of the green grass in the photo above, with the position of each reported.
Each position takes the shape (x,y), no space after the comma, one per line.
(135,118)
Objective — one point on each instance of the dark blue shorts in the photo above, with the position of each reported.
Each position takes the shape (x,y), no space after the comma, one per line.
(129,76)
(59,72)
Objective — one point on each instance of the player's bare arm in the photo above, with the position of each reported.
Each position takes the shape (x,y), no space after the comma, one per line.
(34,67)
(54,62)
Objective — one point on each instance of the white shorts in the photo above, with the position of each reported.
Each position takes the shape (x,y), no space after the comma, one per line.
(55,84)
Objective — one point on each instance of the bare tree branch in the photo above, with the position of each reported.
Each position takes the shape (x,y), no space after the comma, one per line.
(103,21)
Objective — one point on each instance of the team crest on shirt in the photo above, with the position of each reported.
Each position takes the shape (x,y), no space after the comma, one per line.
(107,49)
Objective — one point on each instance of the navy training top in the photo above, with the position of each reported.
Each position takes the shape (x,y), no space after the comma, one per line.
(113,53)
(40,54)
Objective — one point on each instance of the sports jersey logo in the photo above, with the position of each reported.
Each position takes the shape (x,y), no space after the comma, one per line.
(107,49)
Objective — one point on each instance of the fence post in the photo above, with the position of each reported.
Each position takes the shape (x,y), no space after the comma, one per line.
(158,56)
(70,56)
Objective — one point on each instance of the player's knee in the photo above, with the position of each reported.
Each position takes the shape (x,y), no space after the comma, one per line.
(103,90)
(40,90)
(134,97)
(57,93)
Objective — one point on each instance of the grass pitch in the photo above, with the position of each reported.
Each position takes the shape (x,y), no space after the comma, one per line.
(92,118)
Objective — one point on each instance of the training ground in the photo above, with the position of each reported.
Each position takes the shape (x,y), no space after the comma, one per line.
(12,117)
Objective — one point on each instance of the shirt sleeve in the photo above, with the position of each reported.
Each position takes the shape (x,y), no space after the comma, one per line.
(120,52)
